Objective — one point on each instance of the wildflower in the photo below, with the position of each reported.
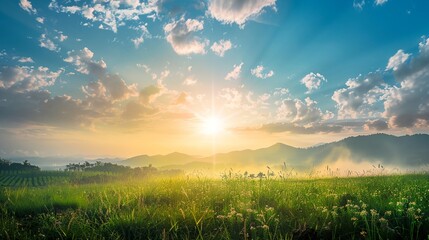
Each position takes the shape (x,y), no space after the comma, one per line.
(363,213)
(382,220)
(265,227)
(388,213)
(373,212)
(364,205)
(354,219)
(363,233)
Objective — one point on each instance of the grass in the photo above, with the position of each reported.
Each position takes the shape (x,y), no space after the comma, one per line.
(381,207)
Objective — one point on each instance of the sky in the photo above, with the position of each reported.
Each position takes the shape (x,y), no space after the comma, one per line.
(128,77)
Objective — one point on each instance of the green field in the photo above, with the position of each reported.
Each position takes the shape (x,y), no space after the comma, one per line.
(51,205)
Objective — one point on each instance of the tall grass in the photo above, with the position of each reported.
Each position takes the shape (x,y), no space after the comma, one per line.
(381,207)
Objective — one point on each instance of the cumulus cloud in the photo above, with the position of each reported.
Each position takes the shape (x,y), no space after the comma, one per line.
(407,105)
(26,60)
(40,20)
(237,11)
(24,79)
(181,36)
(235,73)
(396,60)
(27,6)
(23,99)
(219,48)
(360,97)
(302,113)
(312,81)
(47,43)
(150,93)
(377,125)
(258,72)
(110,14)
(116,87)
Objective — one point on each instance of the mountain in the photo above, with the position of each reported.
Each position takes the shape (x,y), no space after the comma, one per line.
(403,151)
(159,160)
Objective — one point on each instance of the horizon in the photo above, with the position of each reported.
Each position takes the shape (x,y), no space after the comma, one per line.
(125,78)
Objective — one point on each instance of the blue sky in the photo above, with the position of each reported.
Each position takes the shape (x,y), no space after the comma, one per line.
(270,70)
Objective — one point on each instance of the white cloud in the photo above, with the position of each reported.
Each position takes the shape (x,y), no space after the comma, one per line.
(189,81)
(312,81)
(23,78)
(111,14)
(40,20)
(219,48)
(26,5)
(360,97)
(380,2)
(26,60)
(45,42)
(258,72)
(235,73)
(137,41)
(407,105)
(237,11)
(396,60)
(181,36)
(115,87)
(302,113)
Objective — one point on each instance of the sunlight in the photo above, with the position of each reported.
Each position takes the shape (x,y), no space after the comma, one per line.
(212,125)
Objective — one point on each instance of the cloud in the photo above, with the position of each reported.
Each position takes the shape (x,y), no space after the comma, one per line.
(312,81)
(26,60)
(407,105)
(190,81)
(144,33)
(237,11)
(24,101)
(26,5)
(235,73)
(150,93)
(302,113)
(111,14)
(219,48)
(45,42)
(137,41)
(61,37)
(396,60)
(24,79)
(358,4)
(258,72)
(181,36)
(40,20)
(135,110)
(380,2)
(297,129)
(360,97)
(116,88)
(378,125)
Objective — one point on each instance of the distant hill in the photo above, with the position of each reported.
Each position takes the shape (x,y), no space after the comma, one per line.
(405,151)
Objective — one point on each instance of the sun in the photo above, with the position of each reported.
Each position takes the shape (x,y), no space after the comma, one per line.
(212,125)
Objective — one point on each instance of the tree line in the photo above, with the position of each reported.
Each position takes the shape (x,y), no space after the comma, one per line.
(9,166)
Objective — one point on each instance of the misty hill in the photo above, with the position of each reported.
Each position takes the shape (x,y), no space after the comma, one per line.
(405,151)
(159,160)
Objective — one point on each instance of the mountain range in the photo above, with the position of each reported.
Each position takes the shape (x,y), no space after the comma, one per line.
(409,151)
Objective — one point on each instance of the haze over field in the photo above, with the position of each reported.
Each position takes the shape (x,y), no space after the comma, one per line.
(116,79)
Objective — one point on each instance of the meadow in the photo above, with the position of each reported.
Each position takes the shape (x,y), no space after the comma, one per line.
(51,205)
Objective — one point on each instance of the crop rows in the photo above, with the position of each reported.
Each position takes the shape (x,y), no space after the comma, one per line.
(9,180)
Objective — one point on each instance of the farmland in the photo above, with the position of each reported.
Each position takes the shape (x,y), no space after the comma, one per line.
(52,205)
